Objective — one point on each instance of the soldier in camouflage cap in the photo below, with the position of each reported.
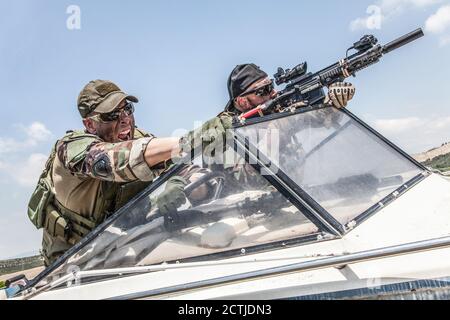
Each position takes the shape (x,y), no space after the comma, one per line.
(249,87)
(95,171)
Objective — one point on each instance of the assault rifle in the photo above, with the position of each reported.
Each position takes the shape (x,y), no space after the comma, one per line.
(270,201)
(306,89)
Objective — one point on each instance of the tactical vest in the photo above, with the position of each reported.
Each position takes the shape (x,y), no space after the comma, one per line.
(69,207)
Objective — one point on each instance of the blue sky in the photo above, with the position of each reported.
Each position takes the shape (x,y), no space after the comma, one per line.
(176,56)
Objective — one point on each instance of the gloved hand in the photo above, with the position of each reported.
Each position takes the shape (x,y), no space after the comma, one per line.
(173,195)
(209,134)
(339,94)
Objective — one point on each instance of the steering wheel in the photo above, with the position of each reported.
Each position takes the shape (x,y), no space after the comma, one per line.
(173,221)
(219,176)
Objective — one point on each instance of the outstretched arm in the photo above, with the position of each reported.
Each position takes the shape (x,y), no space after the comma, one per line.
(161,149)
(213,131)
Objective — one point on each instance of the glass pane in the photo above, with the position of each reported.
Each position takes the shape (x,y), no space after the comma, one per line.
(232,207)
(338,162)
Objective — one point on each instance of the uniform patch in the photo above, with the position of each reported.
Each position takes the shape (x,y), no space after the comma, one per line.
(102,167)
(106,88)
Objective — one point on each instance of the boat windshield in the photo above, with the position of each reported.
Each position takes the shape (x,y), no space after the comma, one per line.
(341,164)
(235,206)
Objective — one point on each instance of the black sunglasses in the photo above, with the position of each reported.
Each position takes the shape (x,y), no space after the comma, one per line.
(128,109)
(261,91)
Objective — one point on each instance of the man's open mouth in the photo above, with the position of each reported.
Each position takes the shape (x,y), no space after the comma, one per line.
(125,134)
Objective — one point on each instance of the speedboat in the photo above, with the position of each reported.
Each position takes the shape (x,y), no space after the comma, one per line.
(310,203)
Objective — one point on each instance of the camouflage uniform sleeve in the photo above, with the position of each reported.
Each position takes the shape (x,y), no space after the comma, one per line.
(118,162)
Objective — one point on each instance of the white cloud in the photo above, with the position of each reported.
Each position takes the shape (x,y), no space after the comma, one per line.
(358,24)
(440,21)
(19,161)
(415,134)
(8,145)
(387,10)
(373,21)
(35,134)
(27,174)
(398,125)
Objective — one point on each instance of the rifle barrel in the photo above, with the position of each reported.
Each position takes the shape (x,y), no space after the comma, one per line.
(407,38)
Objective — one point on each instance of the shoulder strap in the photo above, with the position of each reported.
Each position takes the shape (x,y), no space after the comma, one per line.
(79,135)
(77,143)
(139,133)
(49,163)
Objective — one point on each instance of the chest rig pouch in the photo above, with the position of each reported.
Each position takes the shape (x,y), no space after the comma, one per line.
(59,222)
(43,194)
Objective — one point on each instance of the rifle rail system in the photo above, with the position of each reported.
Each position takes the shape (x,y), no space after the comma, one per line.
(304,88)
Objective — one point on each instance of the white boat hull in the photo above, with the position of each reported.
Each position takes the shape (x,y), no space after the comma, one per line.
(420,214)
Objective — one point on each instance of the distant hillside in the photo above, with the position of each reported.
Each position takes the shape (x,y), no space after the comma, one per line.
(433,153)
(20,264)
(436,158)
(441,163)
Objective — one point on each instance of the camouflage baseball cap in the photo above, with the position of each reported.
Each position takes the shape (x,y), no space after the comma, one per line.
(101,96)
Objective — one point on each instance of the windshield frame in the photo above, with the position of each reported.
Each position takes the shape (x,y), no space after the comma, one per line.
(325,215)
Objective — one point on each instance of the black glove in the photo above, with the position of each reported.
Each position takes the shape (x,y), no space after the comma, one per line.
(173,196)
